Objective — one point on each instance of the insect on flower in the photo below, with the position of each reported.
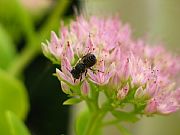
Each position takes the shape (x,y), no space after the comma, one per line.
(86,62)
(149,71)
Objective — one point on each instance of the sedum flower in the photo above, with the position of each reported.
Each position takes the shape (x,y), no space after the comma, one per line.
(102,76)
(64,74)
(127,70)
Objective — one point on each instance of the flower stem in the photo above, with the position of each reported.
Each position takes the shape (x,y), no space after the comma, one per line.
(22,60)
(112,122)
(33,48)
(123,130)
(97,115)
(94,123)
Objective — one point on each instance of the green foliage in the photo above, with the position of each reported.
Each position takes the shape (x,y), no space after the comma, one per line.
(125,116)
(10,124)
(14,16)
(72,101)
(7,49)
(16,24)
(16,126)
(13,95)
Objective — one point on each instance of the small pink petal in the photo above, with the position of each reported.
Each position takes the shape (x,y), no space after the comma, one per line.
(85,88)
(151,106)
(89,45)
(115,79)
(126,69)
(65,88)
(93,76)
(168,105)
(66,66)
(107,77)
(123,92)
(63,31)
(140,92)
(101,66)
(54,38)
(61,76)
(69,52)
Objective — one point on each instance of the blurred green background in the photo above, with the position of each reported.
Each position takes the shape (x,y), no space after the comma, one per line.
(30,97)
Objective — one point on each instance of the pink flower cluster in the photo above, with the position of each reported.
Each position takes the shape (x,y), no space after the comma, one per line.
(127,66)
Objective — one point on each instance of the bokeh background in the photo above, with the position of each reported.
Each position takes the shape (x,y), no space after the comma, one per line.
(29,92)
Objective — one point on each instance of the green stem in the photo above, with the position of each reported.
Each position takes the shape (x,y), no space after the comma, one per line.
(94,122)
(91,106)
(123,130)
(22,60)
(97,113)
(112,122)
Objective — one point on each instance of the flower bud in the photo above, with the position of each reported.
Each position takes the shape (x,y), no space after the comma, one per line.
(85,88)
(123,92)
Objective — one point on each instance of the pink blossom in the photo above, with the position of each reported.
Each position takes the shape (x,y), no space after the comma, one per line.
(164,103)
(53,48)
(64,74)
(101,76)
(149,71)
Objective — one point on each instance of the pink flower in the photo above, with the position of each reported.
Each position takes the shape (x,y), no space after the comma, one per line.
(123,66)
(53,49)
(101,76)
(64,74)
(164,103)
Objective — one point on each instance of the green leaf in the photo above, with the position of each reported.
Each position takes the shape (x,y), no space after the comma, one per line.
(7,49)
(4,127)
(72,101)
(11,124)
(16,126)
(125,116)
(13,95)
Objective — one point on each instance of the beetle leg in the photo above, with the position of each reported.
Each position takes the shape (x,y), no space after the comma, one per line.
(80,77)
(74,80)
(100,71)
(94,70)
(86,72)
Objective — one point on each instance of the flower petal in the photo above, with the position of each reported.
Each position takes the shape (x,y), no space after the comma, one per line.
(62,77)
(85,88)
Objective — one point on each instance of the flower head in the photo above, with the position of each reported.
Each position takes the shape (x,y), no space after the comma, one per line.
(128,71)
